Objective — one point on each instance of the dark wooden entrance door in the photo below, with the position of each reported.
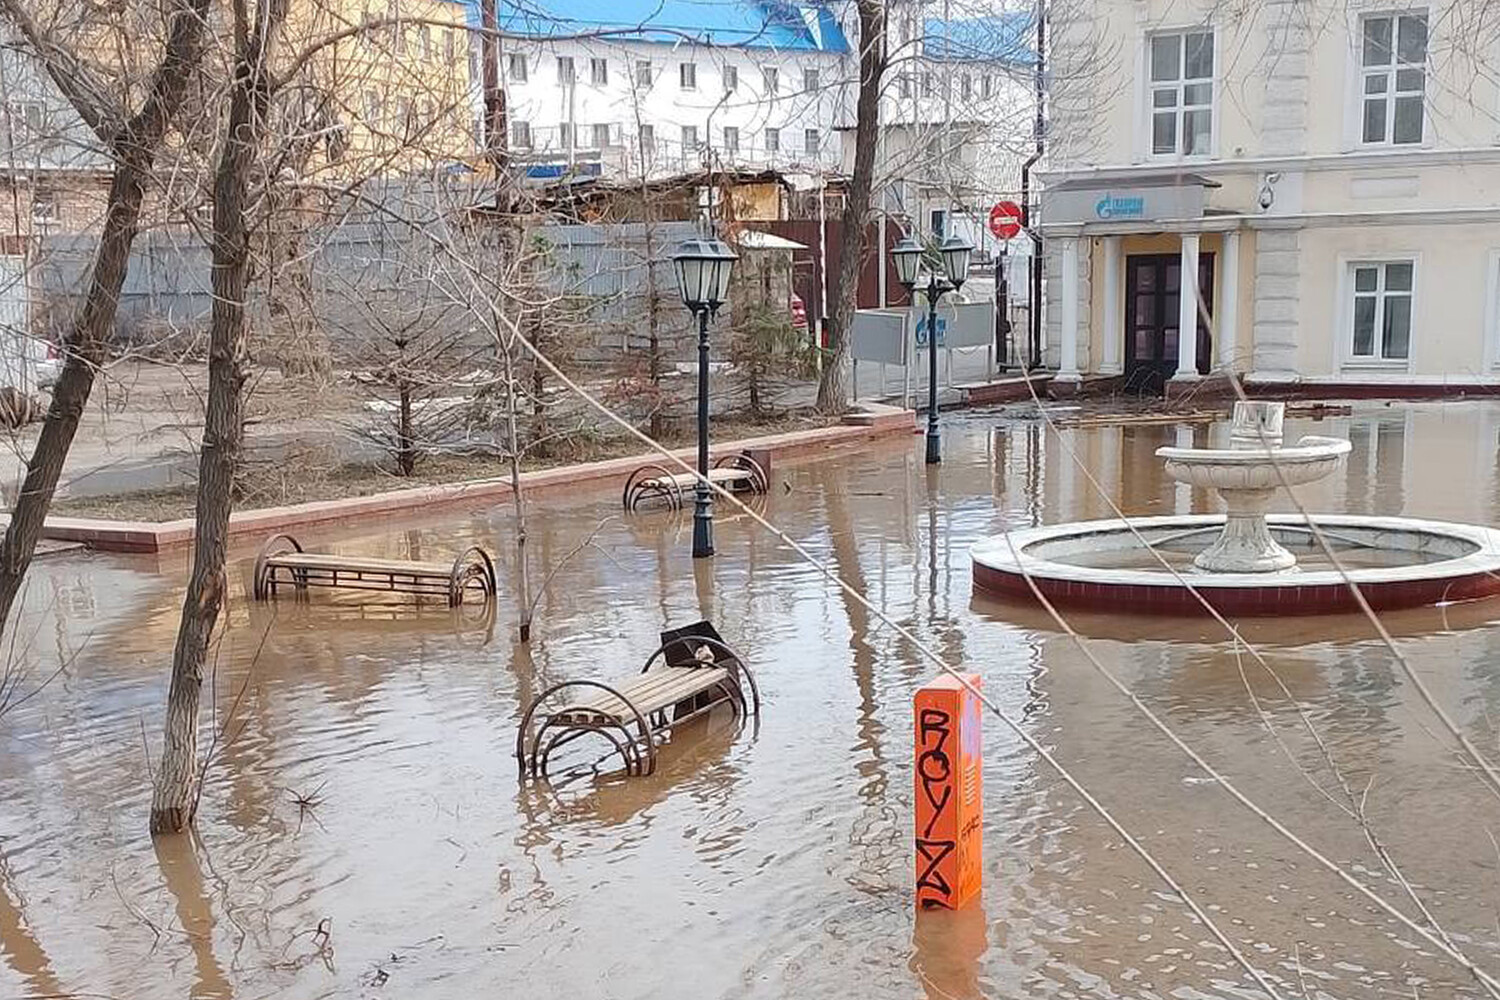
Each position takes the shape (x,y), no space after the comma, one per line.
(1153,289)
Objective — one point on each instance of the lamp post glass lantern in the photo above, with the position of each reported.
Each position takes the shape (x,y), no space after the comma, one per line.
(954,255)
(704,265)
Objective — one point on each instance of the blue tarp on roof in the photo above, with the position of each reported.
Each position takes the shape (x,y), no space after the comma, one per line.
(780,24)
(996,38)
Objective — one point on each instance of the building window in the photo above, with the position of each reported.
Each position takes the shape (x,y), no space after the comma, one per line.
(565,135)
(373,108)
(687,75)
(939,220)
(599,72)
(648,138)
(903,85)
(731,139)
(927,84)
(731,79)
(1182,93)
(1380,318)
(43,208)
(601,136)
(689,138)
(426,36)
(517,67)
(520,134)
(565,70)
(773,140)
(965,87)
(810,141)
(448,49)
(1393,70)
(642,73)
(770,80)
(986,86)
(810,80)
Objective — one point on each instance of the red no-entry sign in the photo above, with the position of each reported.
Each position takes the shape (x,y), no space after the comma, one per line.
(1005,219)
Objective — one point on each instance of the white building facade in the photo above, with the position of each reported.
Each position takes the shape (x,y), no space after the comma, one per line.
(1313,193)
(752,85)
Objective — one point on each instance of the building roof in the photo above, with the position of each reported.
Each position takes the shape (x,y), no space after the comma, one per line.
(992,38)
(803,25)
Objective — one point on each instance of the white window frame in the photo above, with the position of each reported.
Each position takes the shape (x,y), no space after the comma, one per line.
(644,75)
(520,132)
(567,71)
(1390,73)
(1345,357)
(516,61)
(731,79)
(689,135)
(773,140)
(599,136)
(598,71)
(731,139)
(1178,87)
(687,76)
(812,142)
(811,80)
(770,80)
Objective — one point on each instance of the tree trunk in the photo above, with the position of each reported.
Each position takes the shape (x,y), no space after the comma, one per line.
(406,443)
(86,344)
(833,385)
(175,798)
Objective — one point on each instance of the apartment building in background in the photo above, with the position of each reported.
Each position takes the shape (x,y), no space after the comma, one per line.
(657,87)
(1328,179)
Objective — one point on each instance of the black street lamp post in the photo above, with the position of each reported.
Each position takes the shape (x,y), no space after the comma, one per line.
(908,255)
(703,267)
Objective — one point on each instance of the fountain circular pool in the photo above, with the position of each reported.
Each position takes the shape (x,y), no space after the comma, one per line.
(1396,562)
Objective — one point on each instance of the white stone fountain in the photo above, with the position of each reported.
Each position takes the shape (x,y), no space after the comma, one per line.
(1247,475)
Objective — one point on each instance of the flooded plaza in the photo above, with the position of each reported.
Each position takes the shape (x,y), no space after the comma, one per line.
(362,831)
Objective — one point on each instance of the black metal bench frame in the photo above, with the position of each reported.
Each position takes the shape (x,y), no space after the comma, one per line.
(654,482)
(471,569)
(635,734)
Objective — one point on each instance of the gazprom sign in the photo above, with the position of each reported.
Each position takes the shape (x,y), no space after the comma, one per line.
(1152,199)
(1114,206)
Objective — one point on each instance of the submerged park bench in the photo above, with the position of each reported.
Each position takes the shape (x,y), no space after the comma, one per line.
(742,472)
(690,674)
(283,562)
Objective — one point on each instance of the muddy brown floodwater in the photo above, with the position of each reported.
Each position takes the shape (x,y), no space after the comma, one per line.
(362,832)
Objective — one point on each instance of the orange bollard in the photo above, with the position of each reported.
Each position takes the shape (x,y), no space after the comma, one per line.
(949,797)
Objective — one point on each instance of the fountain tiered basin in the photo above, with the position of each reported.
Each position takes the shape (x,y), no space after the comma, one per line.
(1246,561)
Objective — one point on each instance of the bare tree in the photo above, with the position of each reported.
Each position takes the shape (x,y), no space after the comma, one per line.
(175,796)
(133,139)
(833,385)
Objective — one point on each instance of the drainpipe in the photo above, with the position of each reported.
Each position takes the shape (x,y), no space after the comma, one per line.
(1034,265)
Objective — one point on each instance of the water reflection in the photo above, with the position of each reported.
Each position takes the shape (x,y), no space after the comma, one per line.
(18,943)
(948,949)
(177,859)
(773,861)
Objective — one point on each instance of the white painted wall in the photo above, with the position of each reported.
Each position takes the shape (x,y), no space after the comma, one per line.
(665,106)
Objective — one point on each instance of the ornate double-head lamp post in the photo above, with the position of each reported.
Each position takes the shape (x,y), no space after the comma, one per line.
(703,266)
(946,273)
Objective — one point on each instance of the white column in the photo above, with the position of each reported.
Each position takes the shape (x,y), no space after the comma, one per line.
(1113,330)
(1067,365)
(1187,311)
(1227,322)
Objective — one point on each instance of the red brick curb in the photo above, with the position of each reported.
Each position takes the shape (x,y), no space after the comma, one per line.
(145,536)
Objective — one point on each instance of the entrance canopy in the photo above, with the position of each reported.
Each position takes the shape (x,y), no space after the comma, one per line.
(1131,205)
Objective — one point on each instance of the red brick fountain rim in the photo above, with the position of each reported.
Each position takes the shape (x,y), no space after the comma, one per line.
(1463,564)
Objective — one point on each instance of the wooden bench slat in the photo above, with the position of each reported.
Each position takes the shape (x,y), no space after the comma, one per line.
(356,564)
(682,479)
(651,692)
